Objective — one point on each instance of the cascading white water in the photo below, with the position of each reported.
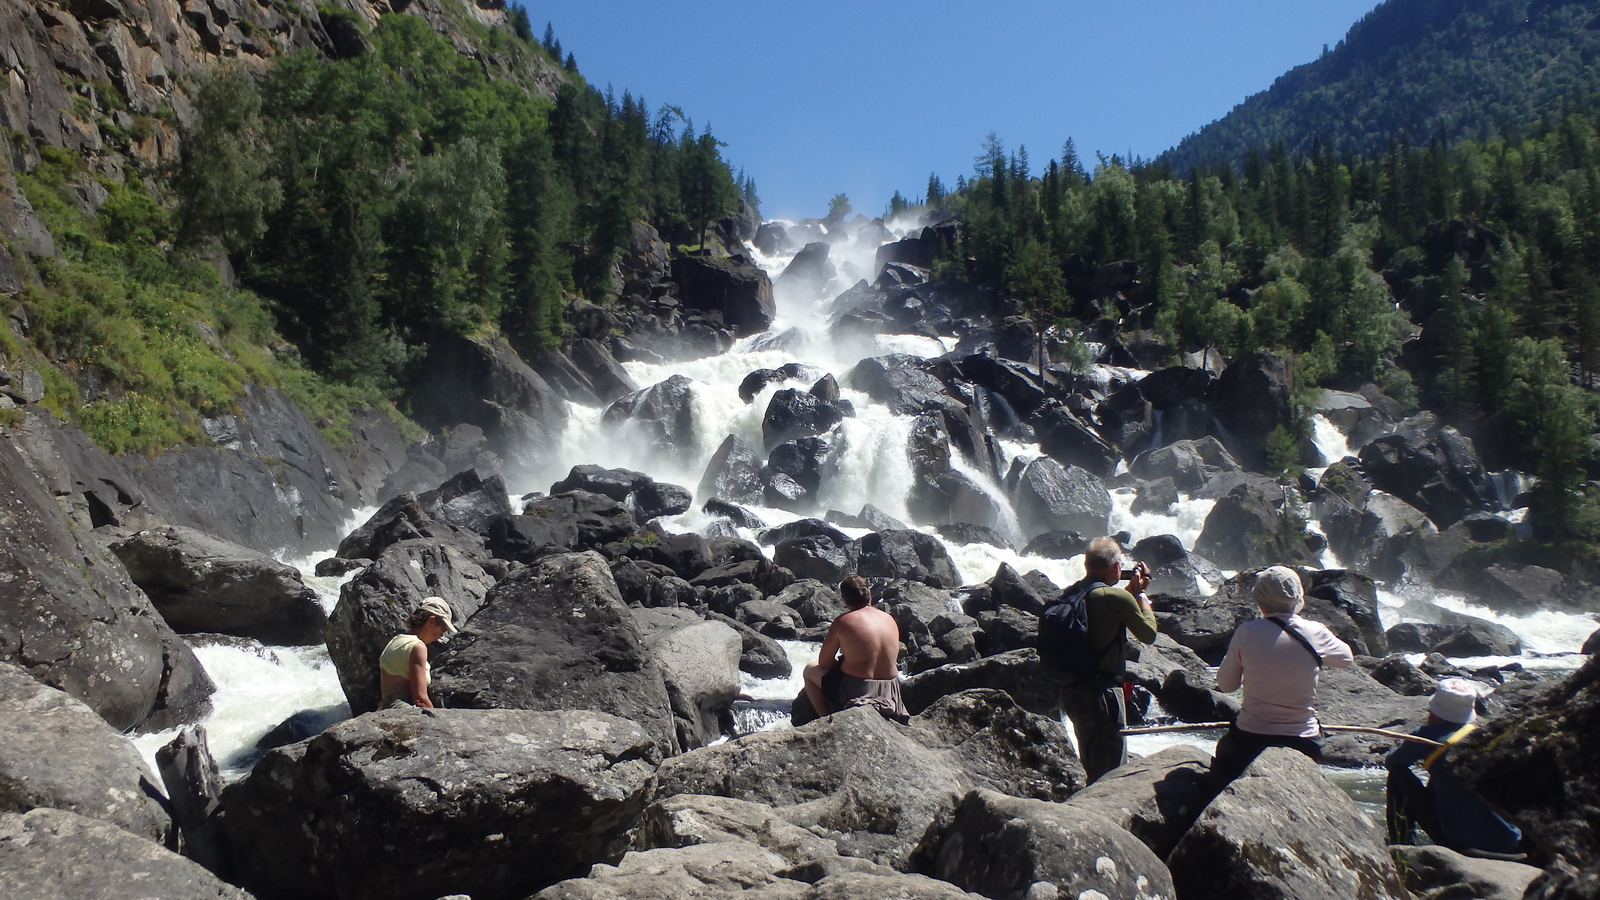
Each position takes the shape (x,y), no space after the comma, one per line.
(867,464)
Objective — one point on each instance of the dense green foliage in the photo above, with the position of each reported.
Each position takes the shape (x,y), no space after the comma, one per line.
(378,201)
(1494,246)
(154,337)
(1451,69)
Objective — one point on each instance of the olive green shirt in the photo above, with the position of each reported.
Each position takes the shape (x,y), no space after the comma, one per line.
(1113,612)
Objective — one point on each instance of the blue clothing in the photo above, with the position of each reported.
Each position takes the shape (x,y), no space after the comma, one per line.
(1463,819)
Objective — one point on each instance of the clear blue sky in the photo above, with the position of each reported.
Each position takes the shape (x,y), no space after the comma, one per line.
(868,97)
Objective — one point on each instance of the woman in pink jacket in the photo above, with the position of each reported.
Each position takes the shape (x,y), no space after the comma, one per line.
(1277,659)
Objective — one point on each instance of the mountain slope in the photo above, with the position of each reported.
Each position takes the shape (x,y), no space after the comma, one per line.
(1422,67)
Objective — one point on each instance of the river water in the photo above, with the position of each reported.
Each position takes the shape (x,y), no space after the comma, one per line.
(259,687)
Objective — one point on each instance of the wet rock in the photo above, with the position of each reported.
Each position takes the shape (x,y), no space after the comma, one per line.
(1251,400)
(662,415)
(576,520)
(1155,798)
(614,483)
(1437,873)
(1057,545)
(1018,383)
(1016,673)
(735,287)
(1400,676)
(1250,525)
(1442,476)
(201,583)
(1479,639)
(482,382)
(1282,830)
(772,239)
(795,414)
(969,533)
(56,752)
(804,460)
(52,854)
(820,557)
(374,605)
(660,499)
(878,805)
(757,381)
(1536,766)
(194,792)
(1158,496)
(1190,463)
(403,518)
(733,475)
(734,513)
(1073,442)
(492,802)
(1049,497)
(606,378)
(1011,847)
(809,271)
(556,635)
(901,382)
(1174,569)
(1168,387)
(910,555)
(1591,645)
(1416,637)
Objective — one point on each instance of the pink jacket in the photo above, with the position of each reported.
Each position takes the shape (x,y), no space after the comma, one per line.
(1279,676)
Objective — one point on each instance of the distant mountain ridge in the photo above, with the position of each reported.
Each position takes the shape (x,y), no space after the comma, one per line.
(1423,67)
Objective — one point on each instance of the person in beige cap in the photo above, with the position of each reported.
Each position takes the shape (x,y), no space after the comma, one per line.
(1450,813)
(1277,659)
(403,671)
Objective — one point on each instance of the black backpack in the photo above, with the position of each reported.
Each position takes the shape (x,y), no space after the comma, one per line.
(1064,646)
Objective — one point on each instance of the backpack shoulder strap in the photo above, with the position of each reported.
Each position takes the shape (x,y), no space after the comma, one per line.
(1293,632)
(1448,742)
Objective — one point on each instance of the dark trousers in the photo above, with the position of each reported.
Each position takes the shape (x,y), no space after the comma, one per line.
(1238,749)
(1408,804)
(1098,717)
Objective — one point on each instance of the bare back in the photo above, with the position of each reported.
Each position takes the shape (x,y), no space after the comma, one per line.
(869,640)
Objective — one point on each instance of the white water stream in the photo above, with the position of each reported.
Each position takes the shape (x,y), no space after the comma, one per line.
(259,687)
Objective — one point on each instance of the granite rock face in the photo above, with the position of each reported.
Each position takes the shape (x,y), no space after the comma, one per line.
(52,854)
(873,786)
(1281,830)
(71,617)
(203,584)
(415,803)
(55,752)
(1017,849)
(557,636)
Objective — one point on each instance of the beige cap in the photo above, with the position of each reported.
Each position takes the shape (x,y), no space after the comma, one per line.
(437,607)
(1278,590)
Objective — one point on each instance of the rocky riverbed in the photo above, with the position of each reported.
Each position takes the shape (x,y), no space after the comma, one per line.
(638,528)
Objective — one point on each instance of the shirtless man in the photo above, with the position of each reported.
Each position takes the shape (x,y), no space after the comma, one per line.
(858,663)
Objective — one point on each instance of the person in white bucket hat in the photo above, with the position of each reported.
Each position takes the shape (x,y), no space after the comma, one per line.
(1451,814)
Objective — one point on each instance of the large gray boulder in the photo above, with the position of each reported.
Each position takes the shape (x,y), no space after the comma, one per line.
(909,555)
(1016,672)
(574,520)
(483,382)
(71,617)
(733,286)
(55,752)
(873,786)
(1050,497)
(1017,849)
(1437,873)
(52,854)
(733,474)
(1352,697)
(662,414)
(374,605)
(424,803)
(1155,798)
(684,820)
(713,871)
(1255,523)
(204,584)
(1281,830)
(700,662)
(557,636)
